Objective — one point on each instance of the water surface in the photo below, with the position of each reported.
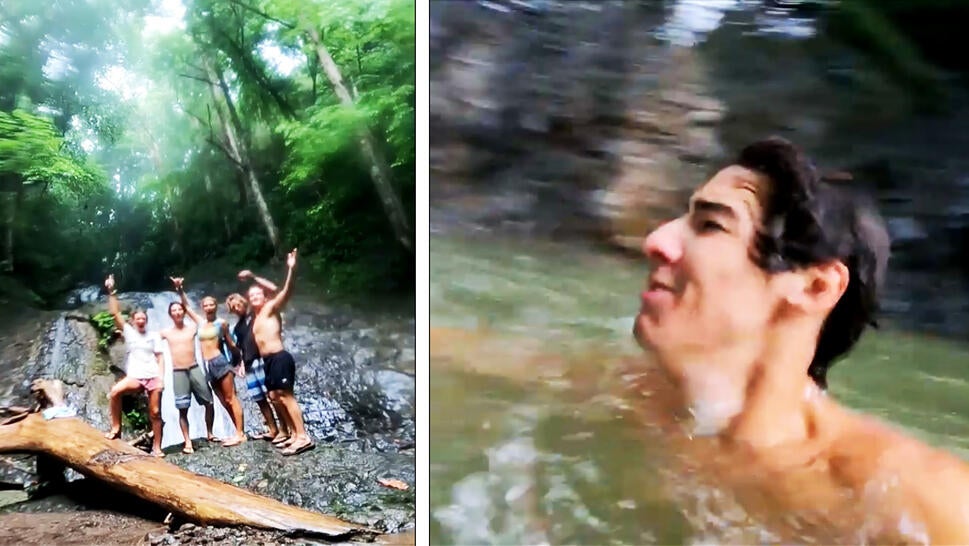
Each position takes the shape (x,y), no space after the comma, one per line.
(530,442)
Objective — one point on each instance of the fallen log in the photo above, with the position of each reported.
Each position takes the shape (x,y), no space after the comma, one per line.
(196,498)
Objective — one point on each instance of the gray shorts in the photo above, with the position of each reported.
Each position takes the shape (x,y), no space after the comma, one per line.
(188,382)
(217,368)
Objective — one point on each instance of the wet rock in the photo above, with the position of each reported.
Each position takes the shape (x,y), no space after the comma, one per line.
(332,479)
(540,120)
(355,405)
(82,295)
(15,472)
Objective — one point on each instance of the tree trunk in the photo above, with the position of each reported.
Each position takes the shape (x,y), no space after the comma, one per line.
(379,171)
(232,128)
(9,218)
(13,190)
(196,498)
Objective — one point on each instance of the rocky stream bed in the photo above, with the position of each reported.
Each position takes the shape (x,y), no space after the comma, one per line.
(355,382)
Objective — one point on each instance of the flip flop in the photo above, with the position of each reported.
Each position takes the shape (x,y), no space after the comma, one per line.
(279,441)
(188,450)
(214,440)
(112,435)
(296,451)
(261,436)
(159,454)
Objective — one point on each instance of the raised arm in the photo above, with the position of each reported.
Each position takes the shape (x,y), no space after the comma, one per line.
(276,304)
(113,306)
(268,286)
(179,288)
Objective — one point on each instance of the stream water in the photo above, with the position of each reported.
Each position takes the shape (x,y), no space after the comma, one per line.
(530,443)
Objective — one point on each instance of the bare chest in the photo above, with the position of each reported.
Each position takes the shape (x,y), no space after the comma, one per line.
(264,327)
(179,336)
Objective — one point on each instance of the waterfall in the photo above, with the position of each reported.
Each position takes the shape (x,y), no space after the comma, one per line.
(158,320)
(56,349)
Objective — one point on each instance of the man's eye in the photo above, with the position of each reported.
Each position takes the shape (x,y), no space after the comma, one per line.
(710,225)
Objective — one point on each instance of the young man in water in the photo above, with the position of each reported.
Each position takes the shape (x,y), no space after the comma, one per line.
(770,276)
(280,366)
(252,367)
(187,376)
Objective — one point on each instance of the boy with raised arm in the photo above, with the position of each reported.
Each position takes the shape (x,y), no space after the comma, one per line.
(279,363)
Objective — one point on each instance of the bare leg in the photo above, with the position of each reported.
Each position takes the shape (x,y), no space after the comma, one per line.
(209,421)
(267,414)
(155,415)
(227,394)
(119,389)
(300,440)
(285,436)
(183,424)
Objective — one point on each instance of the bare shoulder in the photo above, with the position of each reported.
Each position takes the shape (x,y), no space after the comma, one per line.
(880,447)
(921,486)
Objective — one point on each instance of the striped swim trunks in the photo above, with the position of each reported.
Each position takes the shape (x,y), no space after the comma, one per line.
(256,380)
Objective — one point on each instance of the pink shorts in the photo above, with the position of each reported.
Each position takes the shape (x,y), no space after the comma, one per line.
(149,385)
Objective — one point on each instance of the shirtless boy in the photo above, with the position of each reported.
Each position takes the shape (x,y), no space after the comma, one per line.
(280,366)
(770,277)
(187,376)
(214,338)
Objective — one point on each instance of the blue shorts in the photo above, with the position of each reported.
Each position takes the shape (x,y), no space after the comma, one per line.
(256,381)
(217,368)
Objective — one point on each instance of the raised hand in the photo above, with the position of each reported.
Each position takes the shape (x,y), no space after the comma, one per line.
(109,283)
(177,281)
(245,275)
(291,259)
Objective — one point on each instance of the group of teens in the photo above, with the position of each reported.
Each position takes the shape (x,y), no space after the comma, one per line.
(253,350)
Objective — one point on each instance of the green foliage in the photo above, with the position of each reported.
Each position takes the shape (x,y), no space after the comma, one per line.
(103,323)
(136,418)
(136,177)
(870,27)
(32,151)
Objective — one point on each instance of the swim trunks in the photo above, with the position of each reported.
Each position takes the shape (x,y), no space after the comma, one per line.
(280,371)
(188,382)
(256,381)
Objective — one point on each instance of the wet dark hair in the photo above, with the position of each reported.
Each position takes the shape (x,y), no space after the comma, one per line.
(173,304)
(809,220)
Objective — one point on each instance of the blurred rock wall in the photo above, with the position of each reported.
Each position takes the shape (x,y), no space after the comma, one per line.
(564,119)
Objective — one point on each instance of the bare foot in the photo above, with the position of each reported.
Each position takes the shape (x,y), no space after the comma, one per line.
(188,449)
(212,438)
(234,441)
(280,438)
(157,453)
(263,436)
(287,443)
(300,445)
(113,435)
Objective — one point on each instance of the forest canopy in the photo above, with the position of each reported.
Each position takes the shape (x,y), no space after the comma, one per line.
(147,137)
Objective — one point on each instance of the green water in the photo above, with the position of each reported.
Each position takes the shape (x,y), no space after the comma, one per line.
(515,462)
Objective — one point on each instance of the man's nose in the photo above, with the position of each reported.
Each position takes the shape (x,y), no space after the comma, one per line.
(664,244)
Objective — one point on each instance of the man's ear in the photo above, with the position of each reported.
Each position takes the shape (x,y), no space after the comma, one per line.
(817,289)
